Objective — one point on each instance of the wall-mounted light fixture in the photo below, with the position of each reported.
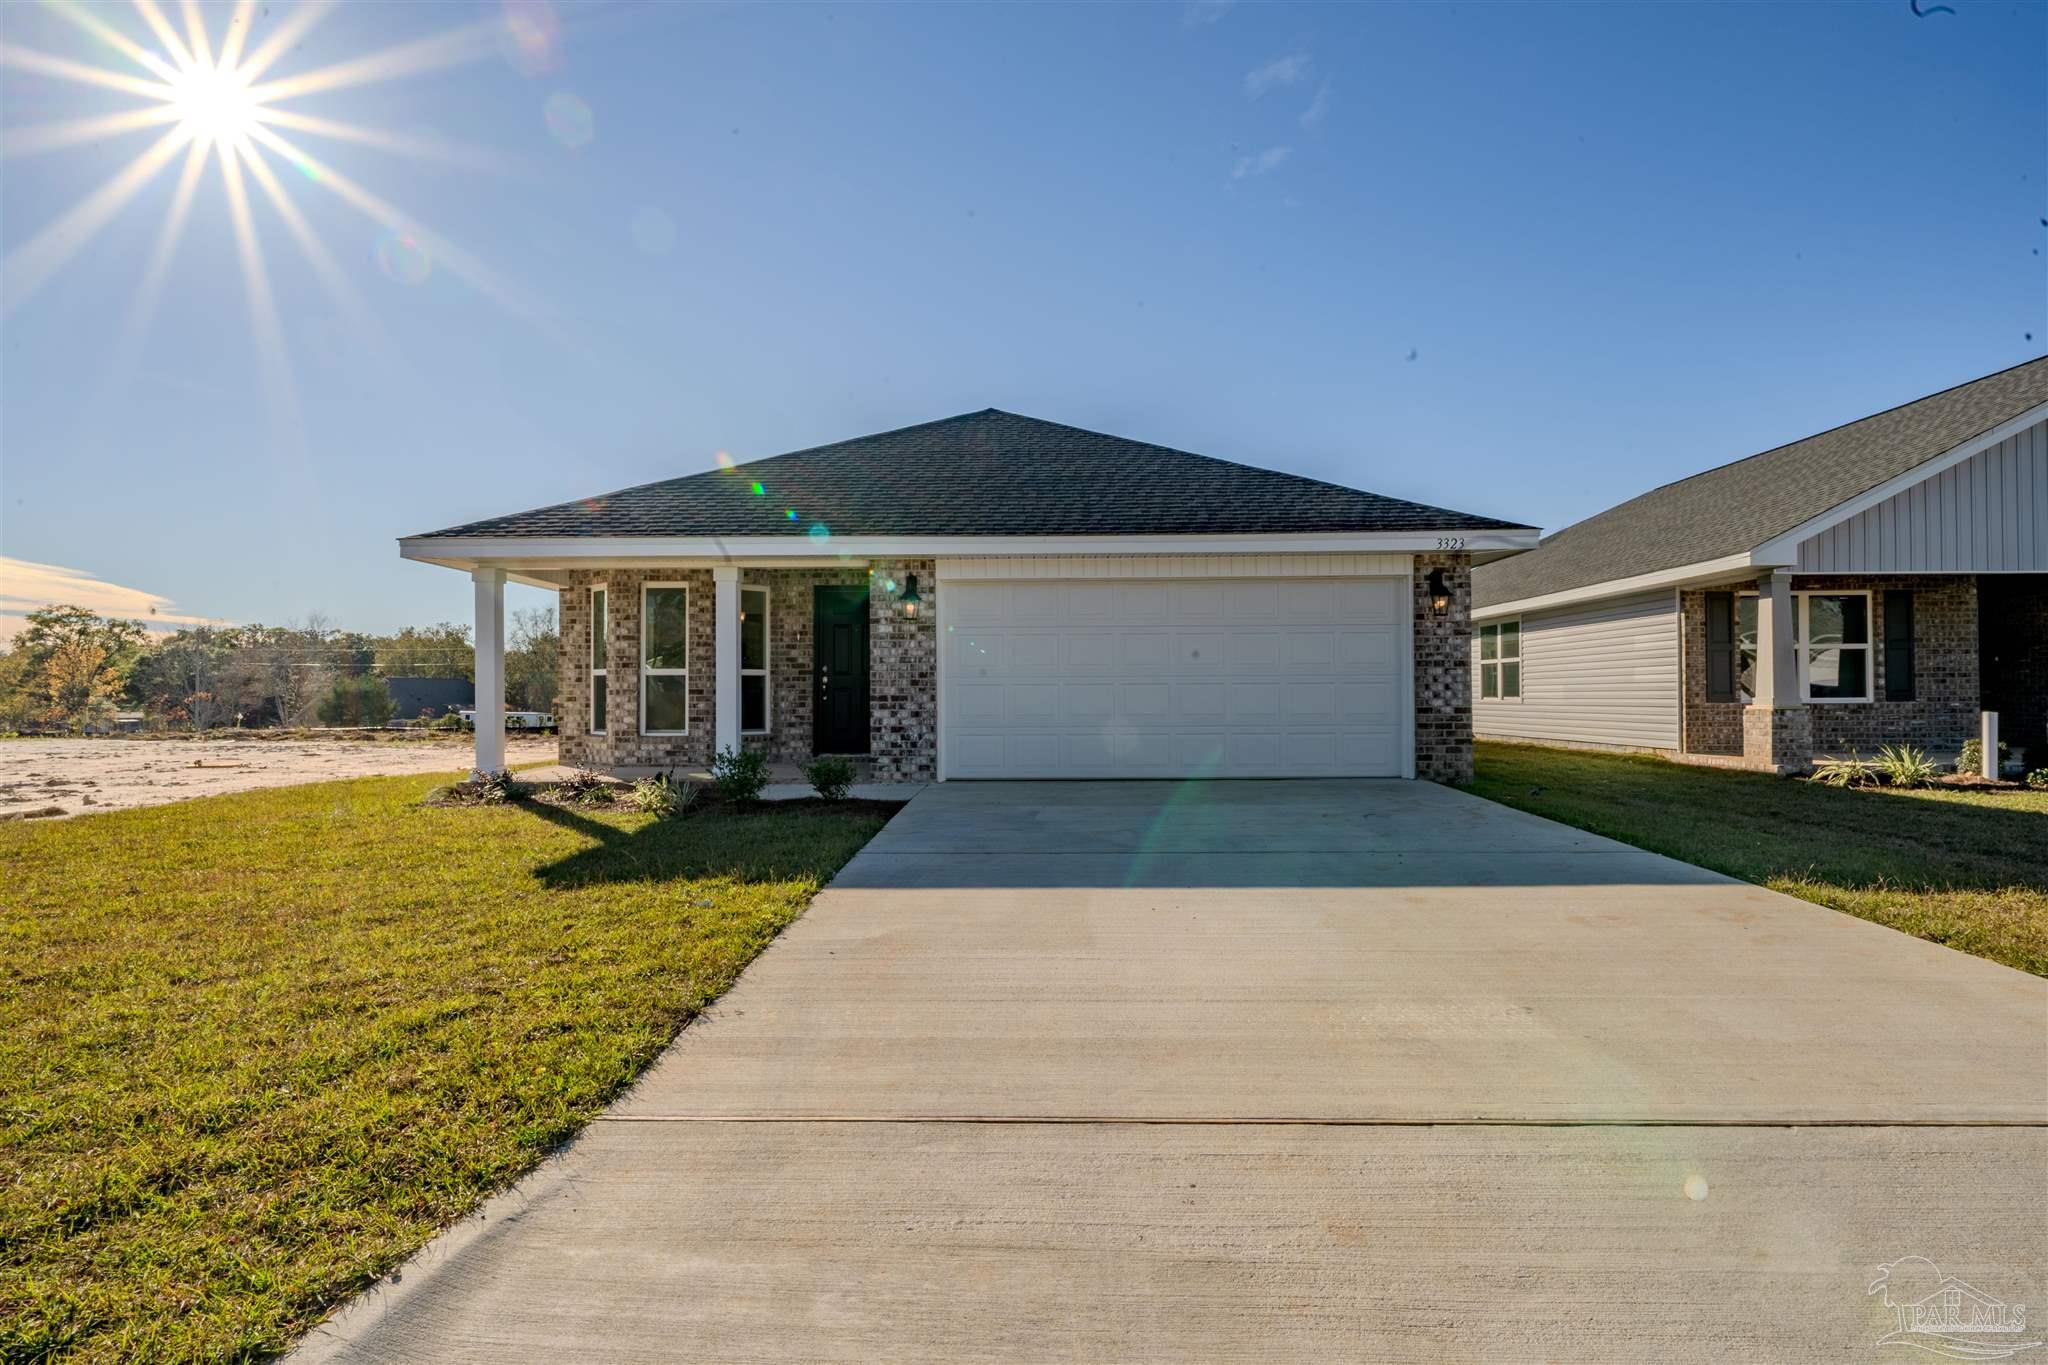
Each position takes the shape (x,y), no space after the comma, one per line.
(911,601)
(1439,592)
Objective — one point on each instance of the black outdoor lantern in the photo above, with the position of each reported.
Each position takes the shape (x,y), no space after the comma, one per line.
(1439,592)
(911,601)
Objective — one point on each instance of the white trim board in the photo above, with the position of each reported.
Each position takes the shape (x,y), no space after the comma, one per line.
(968,568)
(1684,575)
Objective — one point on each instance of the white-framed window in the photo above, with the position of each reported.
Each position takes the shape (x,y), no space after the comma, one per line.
(1500,660)
(753,660)
(1831,638)
(664,659)
(600,623)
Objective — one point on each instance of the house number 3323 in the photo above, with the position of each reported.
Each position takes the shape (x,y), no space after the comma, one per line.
(1450,542)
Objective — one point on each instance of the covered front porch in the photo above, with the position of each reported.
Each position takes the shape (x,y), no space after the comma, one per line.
(666,663)
(1782,667)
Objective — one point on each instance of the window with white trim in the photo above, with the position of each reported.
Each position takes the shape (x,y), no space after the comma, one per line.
(664,659)
(753,661)
(1831,638)
(599,623)
(1500,660)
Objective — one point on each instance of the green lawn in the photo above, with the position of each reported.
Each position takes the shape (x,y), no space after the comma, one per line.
(1963,868)
(255,1049)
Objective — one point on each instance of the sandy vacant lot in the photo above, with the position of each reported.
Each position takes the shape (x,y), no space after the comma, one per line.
(71,776)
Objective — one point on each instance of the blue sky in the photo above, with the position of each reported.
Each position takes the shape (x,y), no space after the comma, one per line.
(1524,261)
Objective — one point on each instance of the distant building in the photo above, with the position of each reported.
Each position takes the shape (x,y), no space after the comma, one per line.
(431,696)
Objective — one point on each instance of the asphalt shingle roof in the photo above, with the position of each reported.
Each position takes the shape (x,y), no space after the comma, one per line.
(987,473)
(1739,506)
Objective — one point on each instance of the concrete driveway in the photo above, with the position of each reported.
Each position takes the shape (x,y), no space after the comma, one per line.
(1276,1071)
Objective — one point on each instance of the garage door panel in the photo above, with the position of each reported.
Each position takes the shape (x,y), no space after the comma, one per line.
(1368,703)
(1225,677)
(1036,703)
(1254,703)
(1146,651)
(1253,651)
(1200,651)
(1313,703)
(1200,703)
(1145,703)
(1312,649)
(976,604)
(1090,652)
(1367,651)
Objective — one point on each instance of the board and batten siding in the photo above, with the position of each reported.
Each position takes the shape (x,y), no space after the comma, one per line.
(1988,514)
(1601,673)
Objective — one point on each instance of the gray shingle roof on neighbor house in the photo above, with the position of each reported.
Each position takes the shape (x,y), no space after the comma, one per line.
(1739,506)
(985,473)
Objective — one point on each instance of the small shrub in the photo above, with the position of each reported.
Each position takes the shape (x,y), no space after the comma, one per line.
(739,774)
(584,787)
(1841,772)
(446,721)
(490,789)
(1972,758)
(1905,766)
(662,796)
(831,778)
(2038,779)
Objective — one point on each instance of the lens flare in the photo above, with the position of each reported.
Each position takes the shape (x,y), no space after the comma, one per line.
(759,491)
(818,533)
(569,120)
(402,259)
(790,513)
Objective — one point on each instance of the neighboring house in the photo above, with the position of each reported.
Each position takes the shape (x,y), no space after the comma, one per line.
(993,596)
(412,698)
(1881,582)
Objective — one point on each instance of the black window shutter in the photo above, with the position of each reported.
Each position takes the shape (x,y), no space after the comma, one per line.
(1898,646)
(1720,646)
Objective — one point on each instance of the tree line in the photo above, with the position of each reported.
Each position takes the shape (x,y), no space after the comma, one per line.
(72,669)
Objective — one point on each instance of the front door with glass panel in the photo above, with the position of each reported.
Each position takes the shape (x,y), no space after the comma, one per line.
(839,672)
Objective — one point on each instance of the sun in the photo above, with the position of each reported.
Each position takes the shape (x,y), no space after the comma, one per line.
(214,103)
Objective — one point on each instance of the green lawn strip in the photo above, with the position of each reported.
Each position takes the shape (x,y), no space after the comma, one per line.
(1968,869)
(256,1049)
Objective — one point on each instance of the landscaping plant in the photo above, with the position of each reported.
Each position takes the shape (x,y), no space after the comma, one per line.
(1841,772)
(1905,766)
(739,774)
(2038,779)
(1972,758)
(662,795)
(584,787)
(831,778)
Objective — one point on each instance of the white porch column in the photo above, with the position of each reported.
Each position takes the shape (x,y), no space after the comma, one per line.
(490,670)
(1777,657)
(725,656)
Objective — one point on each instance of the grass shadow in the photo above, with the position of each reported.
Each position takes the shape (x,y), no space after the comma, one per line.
(761,842)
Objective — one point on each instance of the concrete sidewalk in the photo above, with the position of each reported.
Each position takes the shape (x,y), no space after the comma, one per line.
(1275,1071)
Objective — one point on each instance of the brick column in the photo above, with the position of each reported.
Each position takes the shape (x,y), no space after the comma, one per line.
(1443,672)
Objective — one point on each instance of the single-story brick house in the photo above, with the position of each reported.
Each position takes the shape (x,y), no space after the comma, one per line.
(1882,582)
(994,596)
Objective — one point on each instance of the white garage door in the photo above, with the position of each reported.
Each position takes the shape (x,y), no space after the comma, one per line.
(1251,677)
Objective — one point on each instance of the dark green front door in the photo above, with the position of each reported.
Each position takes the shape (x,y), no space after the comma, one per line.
(839,672)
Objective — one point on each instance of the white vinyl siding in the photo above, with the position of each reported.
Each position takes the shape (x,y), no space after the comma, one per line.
(1988,514)
(1602,673)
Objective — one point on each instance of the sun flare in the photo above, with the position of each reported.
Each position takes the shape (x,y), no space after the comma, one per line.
(214,103)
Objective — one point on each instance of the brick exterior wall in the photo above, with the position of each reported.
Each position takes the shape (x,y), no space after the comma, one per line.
(2012,631)
(903,675)
(1443,673)
(903,670)
(1705,727)
(1941,716)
